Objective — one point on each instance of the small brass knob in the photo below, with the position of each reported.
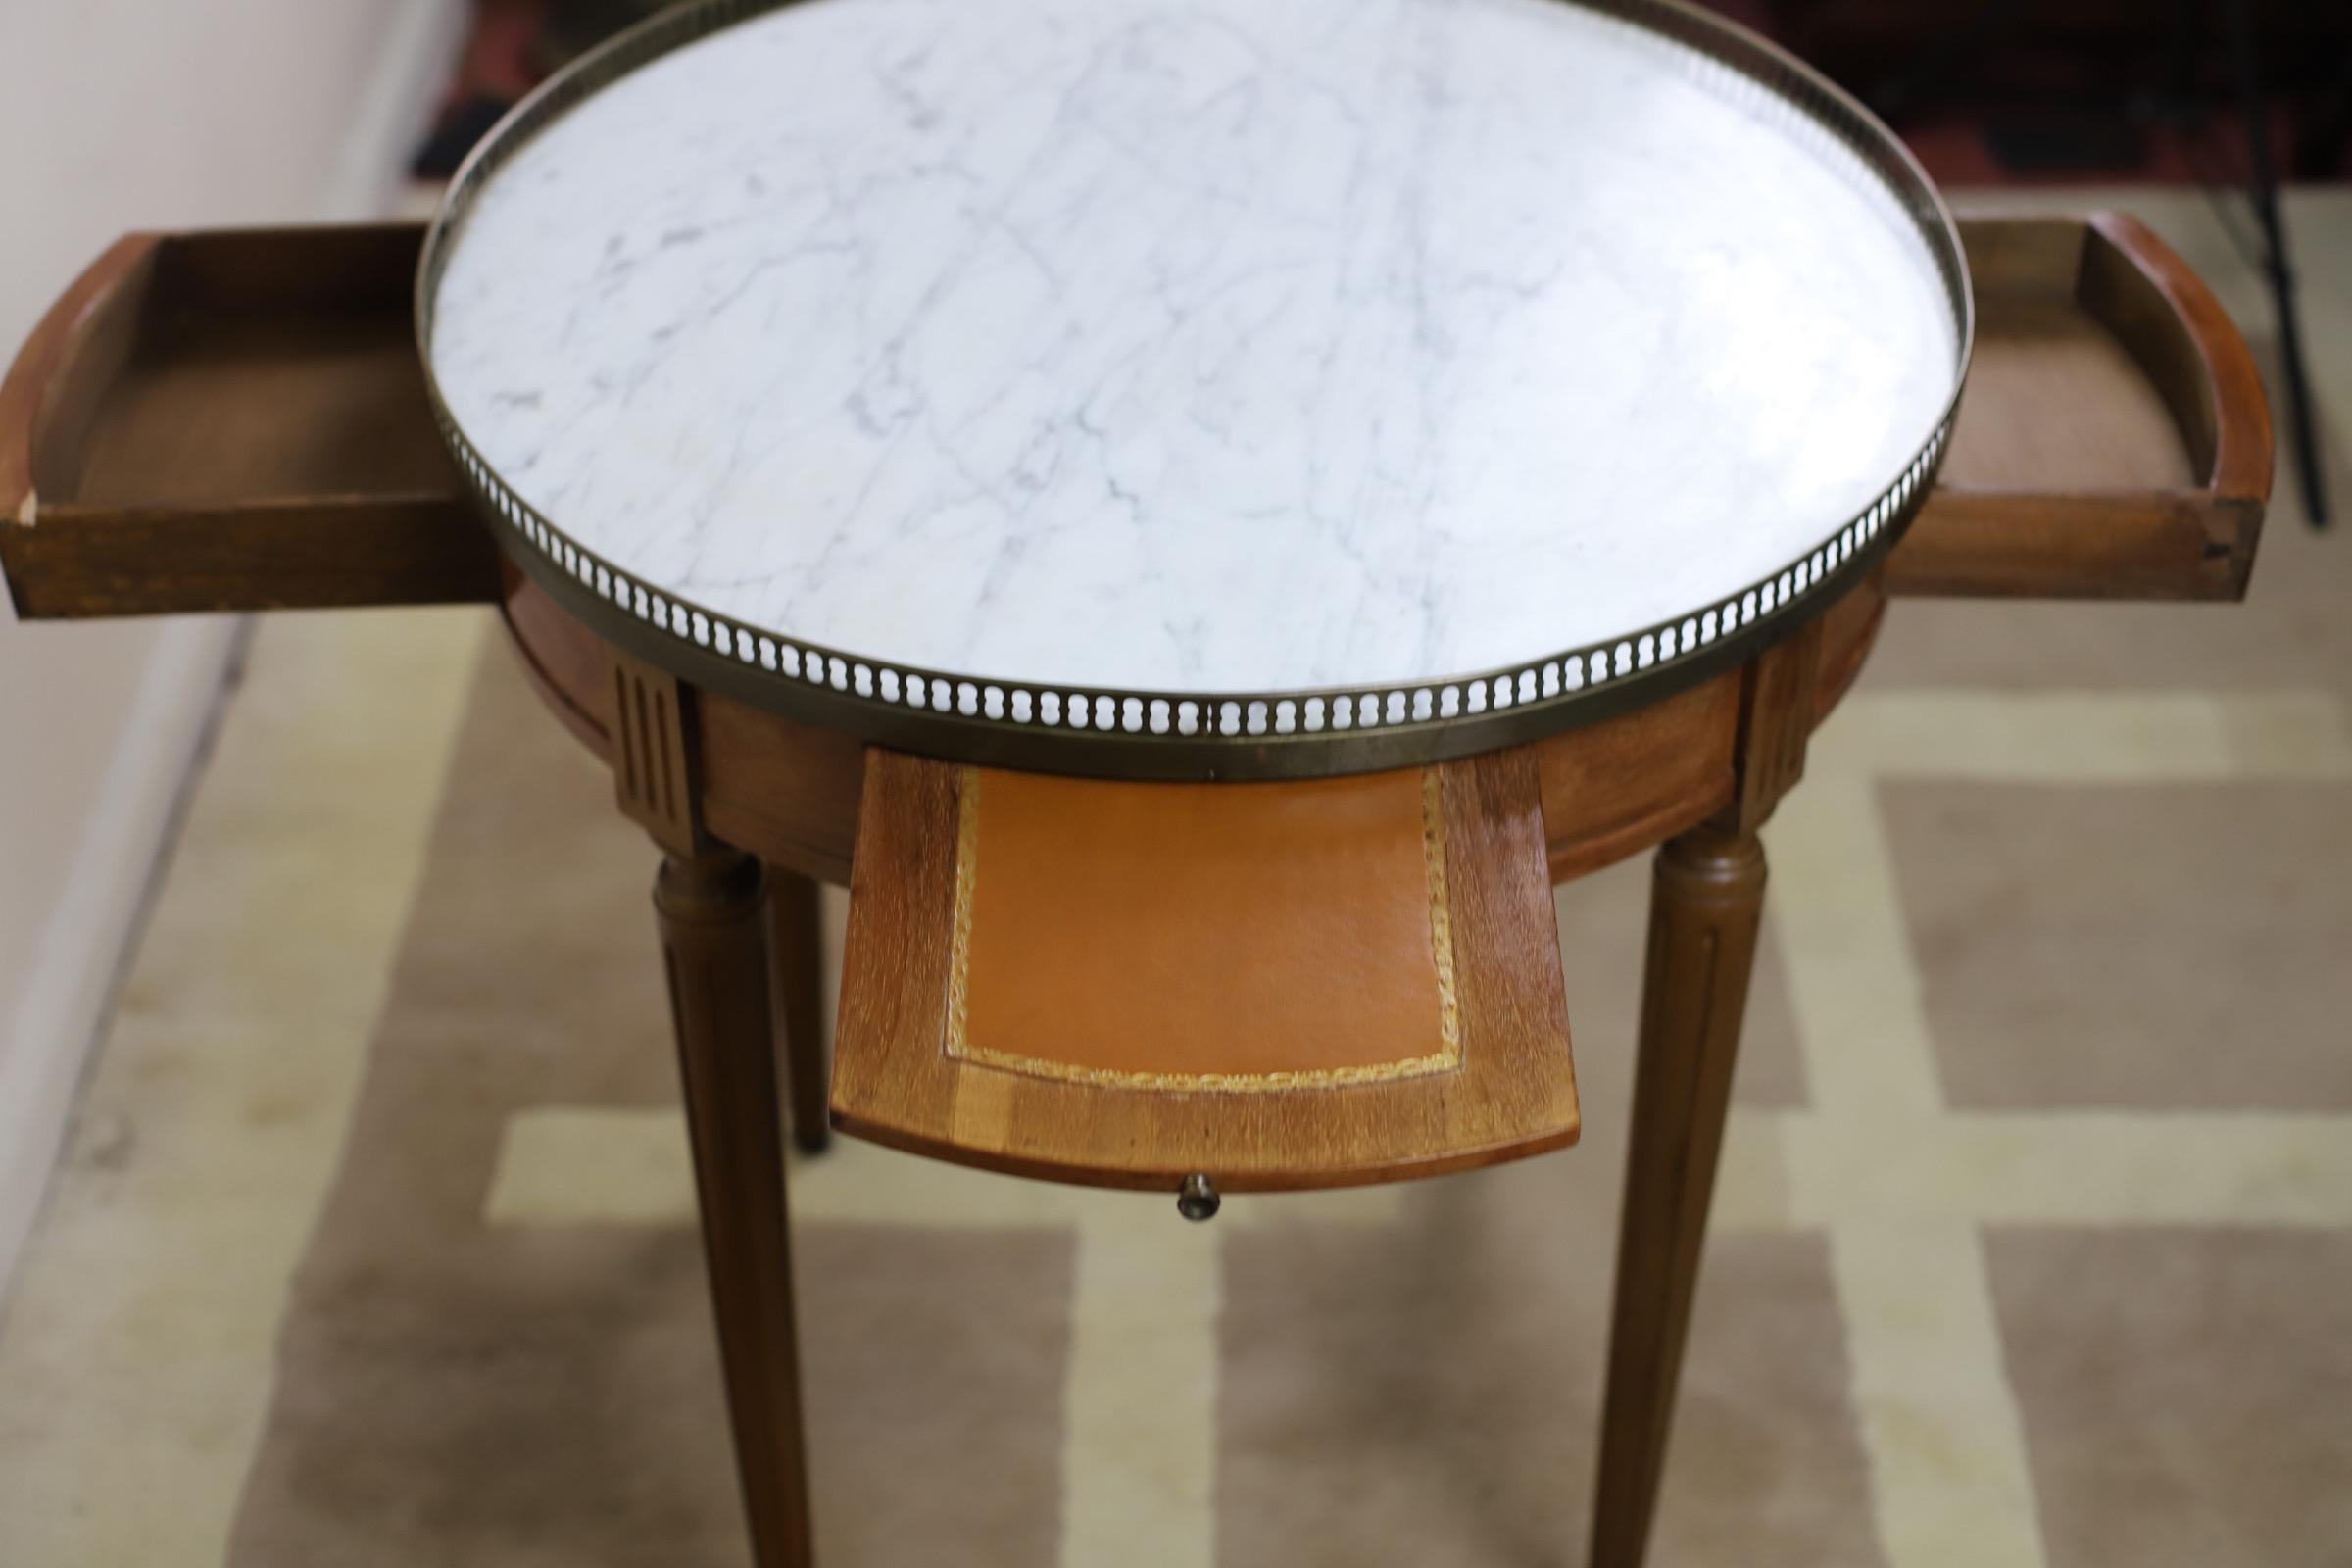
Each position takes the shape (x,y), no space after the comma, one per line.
(1197,1199)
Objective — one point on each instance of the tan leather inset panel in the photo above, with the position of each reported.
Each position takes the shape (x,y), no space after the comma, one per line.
(1223,935)
(1144,939)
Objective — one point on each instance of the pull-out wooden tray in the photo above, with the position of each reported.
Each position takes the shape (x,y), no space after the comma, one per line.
(2114,441)
(232,420)
(1273,985)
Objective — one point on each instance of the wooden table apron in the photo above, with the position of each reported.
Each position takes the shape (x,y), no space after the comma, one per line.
(232,422)
(788,792)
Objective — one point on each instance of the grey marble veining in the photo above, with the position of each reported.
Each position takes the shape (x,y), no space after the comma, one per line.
(1191,344)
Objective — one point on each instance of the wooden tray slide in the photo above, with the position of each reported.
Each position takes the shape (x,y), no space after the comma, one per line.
(1290,985)
(232,420)
(2114,441)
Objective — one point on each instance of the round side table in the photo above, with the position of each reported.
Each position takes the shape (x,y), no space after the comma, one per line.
(1222,416)
(1521,394)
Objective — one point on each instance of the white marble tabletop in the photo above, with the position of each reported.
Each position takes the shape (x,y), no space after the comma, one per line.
(1192,345)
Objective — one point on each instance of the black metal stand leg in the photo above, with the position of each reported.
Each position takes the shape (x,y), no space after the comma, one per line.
(2247,58)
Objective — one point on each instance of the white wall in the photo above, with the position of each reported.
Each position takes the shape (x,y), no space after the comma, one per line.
(147,114)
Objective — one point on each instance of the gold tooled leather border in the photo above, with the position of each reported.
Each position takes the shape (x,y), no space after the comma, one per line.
(1446,1058)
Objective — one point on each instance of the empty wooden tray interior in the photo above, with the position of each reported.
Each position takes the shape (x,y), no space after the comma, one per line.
(232,420)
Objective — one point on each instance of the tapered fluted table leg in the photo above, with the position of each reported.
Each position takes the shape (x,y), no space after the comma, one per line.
(1705,901)
(716,956)
(794,931)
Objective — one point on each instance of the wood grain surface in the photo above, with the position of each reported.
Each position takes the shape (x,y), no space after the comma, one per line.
(1706,903)
(2049,538)
(715,957)
(232,421)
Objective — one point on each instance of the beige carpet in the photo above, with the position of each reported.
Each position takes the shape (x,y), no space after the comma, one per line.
(372,1244)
